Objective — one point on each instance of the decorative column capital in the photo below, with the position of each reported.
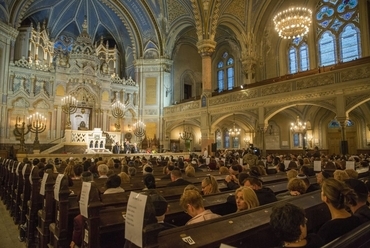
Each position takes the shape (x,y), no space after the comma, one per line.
(206,47)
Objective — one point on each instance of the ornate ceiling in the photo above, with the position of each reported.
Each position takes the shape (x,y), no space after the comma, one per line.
(139,25)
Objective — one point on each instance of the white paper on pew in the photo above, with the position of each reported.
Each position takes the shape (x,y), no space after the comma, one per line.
(286,163)
(316,165)
(30,178)
(16,170)
(350,165)
(208,160)
(135,218)
(226,246)
(43,182)
(84,198)
(241,161)
(57,186)
(24,170)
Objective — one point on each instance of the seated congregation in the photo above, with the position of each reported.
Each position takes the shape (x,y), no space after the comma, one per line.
(265,203)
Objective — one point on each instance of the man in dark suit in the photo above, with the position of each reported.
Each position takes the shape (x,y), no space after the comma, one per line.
(116,148)
(176,178)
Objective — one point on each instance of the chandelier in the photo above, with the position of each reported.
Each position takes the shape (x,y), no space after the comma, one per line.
(234,131)
(187,133)
(292,23)
(298,126)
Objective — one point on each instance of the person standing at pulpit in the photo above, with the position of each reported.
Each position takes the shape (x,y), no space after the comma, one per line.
(135,149)
(116,148)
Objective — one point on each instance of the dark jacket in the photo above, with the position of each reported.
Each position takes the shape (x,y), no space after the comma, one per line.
(179,182)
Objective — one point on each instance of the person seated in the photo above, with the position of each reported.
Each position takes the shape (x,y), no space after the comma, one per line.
(192,203)
(310,187)
(113,185)
(337,196)
(103,171)
(291,174)
(149,182)
(296,187)
(360,209)
(176,178)
(340,175)
(190,171)
(161,208)
(168,170)
(245,198)
(265,195)
(289,224)
(231,180)
(209,185)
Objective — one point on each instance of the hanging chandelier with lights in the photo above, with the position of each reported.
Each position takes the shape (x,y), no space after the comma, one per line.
(293,23)
(186,133)
(234,131)
(298,126)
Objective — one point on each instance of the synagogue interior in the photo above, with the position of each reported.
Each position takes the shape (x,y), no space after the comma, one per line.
(184,75)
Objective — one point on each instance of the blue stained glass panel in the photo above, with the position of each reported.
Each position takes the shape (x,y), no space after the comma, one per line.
(230,61)
(327,49)
(325,23)
(220,64)
(292,60)
(349,44)
(347,15)
(225,55)
(336,25)
(303,52)
(220,80)
(230,78)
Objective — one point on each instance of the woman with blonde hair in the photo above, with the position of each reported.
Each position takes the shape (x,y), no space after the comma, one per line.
(340,175)
(125,178)
(246,198)
(190,171)
(210,185)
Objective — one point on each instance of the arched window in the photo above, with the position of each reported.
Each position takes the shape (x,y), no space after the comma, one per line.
(225,72)
(226,139)
(218,139)
(298,56)
(338,31)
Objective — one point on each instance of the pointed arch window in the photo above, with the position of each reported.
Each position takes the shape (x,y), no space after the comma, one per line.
(225,72)
(218,139)
(226,139)
(338,31)
(298,56)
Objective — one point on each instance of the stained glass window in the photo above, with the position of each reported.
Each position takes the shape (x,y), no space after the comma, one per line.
(225,72)
(338,31)
(298,56)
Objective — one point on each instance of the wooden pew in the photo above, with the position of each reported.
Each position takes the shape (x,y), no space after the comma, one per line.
(358,237)
(46,214)
(26,192)
(34,204)
(59,234)
(249,228)
(18,193)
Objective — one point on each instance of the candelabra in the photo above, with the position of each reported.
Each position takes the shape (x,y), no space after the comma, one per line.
(299,128)
(118,112)
(186,133)
(37,124)
(69,106)
(20,131)
(139,130)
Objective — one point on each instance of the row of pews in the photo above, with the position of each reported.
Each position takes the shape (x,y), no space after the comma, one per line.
(49,216)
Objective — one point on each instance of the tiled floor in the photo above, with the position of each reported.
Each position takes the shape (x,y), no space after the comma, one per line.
(8,230)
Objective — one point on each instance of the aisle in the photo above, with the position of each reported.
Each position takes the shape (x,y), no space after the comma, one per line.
(8,230)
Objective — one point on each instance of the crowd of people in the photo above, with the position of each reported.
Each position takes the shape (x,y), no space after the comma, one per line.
(344,194)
